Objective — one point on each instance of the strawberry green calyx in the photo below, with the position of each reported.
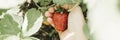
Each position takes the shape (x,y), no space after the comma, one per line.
(62,10)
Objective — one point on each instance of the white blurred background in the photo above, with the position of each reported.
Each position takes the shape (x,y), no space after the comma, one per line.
(104,19)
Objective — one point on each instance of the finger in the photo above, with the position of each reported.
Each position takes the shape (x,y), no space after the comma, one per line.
(76,19)
(48,14)
(51,9)
(46,23)
(50,21)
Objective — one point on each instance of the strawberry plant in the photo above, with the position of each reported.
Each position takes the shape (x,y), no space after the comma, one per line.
(24,19)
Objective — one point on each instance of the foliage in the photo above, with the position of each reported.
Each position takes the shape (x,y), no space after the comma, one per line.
(25,27)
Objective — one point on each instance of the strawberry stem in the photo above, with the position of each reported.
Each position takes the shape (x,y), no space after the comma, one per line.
(62,10)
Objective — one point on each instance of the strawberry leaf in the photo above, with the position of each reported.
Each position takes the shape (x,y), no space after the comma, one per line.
(2,11)
(32,22)
(9,37)
(14,12)
(119,4)
(30,38)
(43,3)
(3,36)
(14,37)
(36,1)
(86,30)
(8,25)
(62,2)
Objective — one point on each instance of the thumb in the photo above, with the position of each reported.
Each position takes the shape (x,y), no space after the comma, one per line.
(76,19)
(75,26)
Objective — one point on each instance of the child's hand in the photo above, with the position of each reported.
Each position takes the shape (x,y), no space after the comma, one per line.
(75,24)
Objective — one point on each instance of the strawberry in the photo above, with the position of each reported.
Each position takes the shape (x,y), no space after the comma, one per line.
(60,20)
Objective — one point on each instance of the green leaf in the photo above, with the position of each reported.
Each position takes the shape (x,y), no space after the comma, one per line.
(44,2)
(14,12)
(3,36)
(119,5)
(36,1)
(8,25)
(30,38)
(92,37)
(62,2)
(2,11)
(11,37)
(14,37)
(86,30)
(84,7)
(32,16)
(18,19)
(32,23)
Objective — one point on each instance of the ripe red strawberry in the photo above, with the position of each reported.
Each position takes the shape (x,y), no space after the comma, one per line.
(60,20)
